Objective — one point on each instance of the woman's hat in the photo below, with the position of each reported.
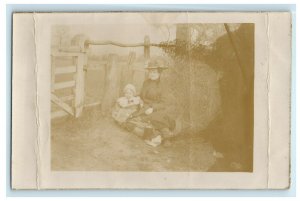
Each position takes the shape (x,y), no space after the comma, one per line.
(156,65)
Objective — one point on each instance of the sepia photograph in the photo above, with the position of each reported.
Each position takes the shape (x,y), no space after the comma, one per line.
(169,97)
(142,100)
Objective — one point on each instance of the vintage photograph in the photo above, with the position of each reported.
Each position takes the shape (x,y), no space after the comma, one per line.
(152,97)
(142,100)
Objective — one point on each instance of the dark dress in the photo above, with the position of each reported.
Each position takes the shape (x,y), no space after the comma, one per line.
(155,95)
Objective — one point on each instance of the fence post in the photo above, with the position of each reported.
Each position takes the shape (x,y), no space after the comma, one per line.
(147,48)
(112,85)
(52,73)
(146,52)
(131,59)
(79,86)
(79,41)
(127,71)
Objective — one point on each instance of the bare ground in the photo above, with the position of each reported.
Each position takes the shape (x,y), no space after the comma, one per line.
(95,143)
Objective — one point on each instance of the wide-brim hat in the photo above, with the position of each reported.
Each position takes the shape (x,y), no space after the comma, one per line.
(156,65)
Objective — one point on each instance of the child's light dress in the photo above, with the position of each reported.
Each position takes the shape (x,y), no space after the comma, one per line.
(124,108)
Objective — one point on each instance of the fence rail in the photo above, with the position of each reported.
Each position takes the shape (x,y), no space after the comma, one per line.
(108,42)
(113,74)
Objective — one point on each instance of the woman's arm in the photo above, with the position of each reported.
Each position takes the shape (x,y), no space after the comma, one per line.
(165,100)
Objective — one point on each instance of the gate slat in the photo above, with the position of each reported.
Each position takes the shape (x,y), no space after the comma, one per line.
(66,54)
(59,113)
(65,70)
(61,104)
(67,98)
(62,85)
(79,89)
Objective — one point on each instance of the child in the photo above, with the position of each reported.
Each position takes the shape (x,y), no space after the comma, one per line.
(126,105)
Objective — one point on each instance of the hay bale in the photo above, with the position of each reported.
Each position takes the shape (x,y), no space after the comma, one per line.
(196,88)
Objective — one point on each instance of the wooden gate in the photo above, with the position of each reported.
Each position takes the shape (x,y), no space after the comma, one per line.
(77,84)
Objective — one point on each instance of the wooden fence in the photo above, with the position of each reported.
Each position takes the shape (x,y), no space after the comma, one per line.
(113,75)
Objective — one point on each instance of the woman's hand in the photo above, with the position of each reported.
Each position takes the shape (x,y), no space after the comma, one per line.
(149,111)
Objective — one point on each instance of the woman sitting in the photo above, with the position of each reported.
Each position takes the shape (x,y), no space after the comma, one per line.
(154,121)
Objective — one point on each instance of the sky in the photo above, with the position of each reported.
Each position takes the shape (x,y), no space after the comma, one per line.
(135,33)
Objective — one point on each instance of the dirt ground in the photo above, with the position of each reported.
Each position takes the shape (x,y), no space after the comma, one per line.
(95,143)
